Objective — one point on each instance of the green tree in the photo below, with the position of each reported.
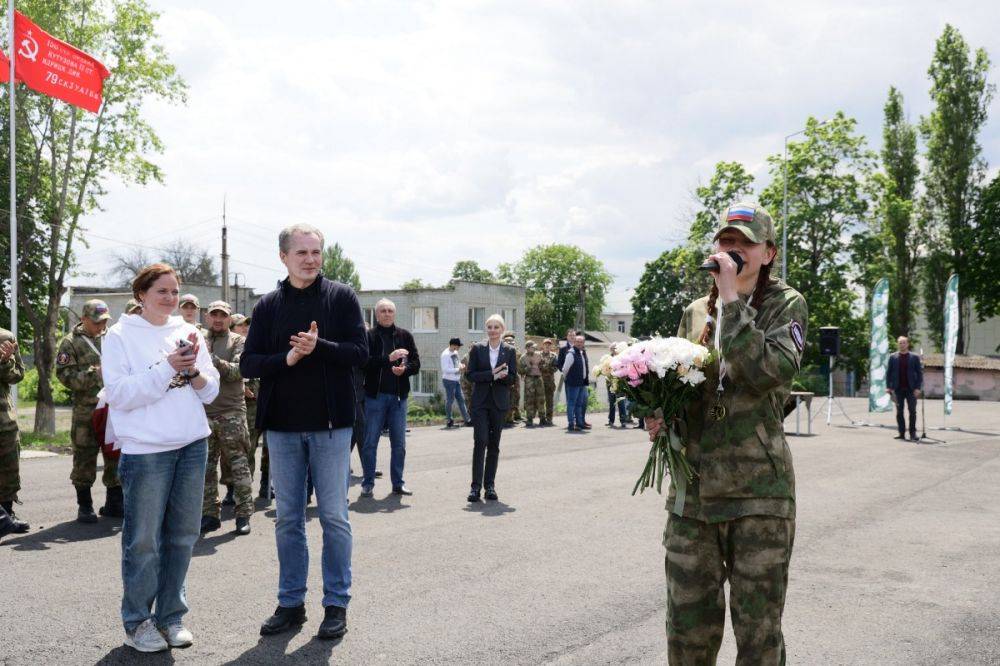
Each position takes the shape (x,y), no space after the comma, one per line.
(72,152)
(414,284)
(194,265)
(955,168)
(827,202)
(660,297)
(539,314)
(730,183)
(981,277)
(470,270)
(558,272)
(336,266)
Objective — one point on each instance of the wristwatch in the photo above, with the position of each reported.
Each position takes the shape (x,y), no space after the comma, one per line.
(193,374)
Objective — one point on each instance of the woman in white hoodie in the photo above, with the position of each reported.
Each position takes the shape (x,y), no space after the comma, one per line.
(157,378)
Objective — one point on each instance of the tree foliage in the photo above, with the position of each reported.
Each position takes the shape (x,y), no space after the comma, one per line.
(414,284)
(337,266)
(469,269)
(981,276)
(194,265)
(955,168)
(555,273)
(72,152)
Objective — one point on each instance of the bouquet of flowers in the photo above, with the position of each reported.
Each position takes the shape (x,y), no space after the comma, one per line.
(661,376)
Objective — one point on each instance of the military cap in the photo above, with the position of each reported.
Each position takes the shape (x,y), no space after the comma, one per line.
(132,305)
(96,310)
(220,305)
(530,344)
(508,336)
(547,341)
(749,219)
(189,298)
(239,319)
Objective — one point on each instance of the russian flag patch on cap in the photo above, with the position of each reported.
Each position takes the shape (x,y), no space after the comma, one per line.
(739,214)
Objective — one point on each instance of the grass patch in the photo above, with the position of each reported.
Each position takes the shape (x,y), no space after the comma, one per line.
(58,443)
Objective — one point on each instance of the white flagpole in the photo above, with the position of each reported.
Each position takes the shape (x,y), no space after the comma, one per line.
(13,191)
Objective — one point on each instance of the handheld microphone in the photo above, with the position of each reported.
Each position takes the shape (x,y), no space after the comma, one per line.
(713,266)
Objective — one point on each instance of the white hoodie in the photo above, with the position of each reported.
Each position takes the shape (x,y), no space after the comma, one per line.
(146,414)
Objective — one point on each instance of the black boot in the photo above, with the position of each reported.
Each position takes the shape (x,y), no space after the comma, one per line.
(114,504)
(283,620)
(264,486)
(229,500)
(334,624)
(85,513)
(9,523)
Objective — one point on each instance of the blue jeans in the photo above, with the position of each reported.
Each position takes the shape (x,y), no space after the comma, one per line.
(327,454)
(576,405)
(163,494)
(453,393)
(384,411)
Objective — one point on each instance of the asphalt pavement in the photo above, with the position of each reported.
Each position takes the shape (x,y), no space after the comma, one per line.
(896,560)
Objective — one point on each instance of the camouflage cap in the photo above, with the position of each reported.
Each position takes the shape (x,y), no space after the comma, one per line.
(96,310)
(132,306)
(508,336)
(530,344)
(240,319)
(189,298)
(221,306)
(547,341)
(749,219)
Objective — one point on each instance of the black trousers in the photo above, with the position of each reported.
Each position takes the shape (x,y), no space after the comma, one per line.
(911,401)
(622,408)
(487,424)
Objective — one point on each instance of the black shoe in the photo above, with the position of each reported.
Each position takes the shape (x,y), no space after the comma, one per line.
(468,424)
(491,495)
(378,474)
(334,624)
(473,496)
(611,424)
(242,525)
(449,424)
(85,514)
(283,620)
(529,424)
(229,500)
(114,504)
(367,491)
(9,523)
(900,436)
(398,490)
(572,429)
(264,492)
(210,524)
(913,436)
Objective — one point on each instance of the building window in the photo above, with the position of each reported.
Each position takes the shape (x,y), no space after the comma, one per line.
(425,319)
(477,319)
(510,318)
(426,382)
(369,315)
(621,326)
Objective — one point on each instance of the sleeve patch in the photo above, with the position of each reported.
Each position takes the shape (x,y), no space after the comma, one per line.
(62,358)
(798,337)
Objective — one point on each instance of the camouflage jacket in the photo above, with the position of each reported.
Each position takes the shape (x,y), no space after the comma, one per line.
(78,366)
(743,461)
(530,364)
(548,365)
(463,378)
(225,349)
(11,372)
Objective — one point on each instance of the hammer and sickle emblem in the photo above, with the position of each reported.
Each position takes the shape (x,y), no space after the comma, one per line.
(29,48)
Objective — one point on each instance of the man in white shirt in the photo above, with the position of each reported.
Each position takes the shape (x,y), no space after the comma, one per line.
(451,373)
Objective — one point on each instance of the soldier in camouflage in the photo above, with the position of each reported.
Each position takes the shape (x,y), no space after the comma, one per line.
(11,372)
(251,387)
(529,366)
(133,307)
(190,309)
(78,368)
(514,412)
(737,521)
(465,383)
(227,417)
(548,368)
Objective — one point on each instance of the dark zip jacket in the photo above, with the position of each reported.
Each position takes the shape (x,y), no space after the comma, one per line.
(342,346)
(378,361)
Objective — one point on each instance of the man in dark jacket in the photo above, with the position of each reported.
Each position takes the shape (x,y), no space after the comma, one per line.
(307,337)
(392,360)
(904,379)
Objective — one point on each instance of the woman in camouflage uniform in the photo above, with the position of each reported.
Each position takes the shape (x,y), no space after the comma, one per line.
(737,522)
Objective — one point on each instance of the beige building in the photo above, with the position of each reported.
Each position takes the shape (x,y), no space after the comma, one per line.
(618,322)
(241,298)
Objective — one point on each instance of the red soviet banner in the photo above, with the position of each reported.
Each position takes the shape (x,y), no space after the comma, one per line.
(4,68)
(55,68)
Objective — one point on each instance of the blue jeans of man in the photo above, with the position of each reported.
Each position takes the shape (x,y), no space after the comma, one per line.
(384,411)
(576,405)
(620,405)
(163,493)
(453,393)
(327,454)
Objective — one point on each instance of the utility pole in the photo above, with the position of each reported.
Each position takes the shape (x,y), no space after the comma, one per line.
(581,309)
(225,255)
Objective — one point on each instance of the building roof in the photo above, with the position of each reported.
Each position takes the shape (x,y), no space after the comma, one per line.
(965,361)
(450,286)
(606,336)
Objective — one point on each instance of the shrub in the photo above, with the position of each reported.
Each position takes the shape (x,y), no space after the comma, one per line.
(27,389)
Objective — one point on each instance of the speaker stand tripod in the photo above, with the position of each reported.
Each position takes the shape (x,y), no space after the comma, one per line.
(923,422)
(830,400)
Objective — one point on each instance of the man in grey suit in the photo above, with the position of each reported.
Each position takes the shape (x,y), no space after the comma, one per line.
(905,379)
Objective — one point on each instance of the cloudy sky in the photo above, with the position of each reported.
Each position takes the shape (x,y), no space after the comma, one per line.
(418,134)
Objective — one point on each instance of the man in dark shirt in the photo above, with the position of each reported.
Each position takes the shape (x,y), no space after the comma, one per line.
(904,379)
(307,338)
(392,360)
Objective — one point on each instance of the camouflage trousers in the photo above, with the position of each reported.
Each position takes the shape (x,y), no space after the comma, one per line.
(549,384)
(534,397)
(753,554)
(514,412)
(86,448)
(253,438)
(467,393)
(229,440)
(10,465)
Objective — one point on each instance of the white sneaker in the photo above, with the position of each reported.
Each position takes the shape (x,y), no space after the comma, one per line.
(177,636)
(146,638)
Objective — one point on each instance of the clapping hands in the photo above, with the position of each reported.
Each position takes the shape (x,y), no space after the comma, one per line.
(7,349)
(303,343)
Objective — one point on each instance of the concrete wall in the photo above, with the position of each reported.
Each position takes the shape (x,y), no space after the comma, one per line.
(969,384)
(117,298)
(613,319)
